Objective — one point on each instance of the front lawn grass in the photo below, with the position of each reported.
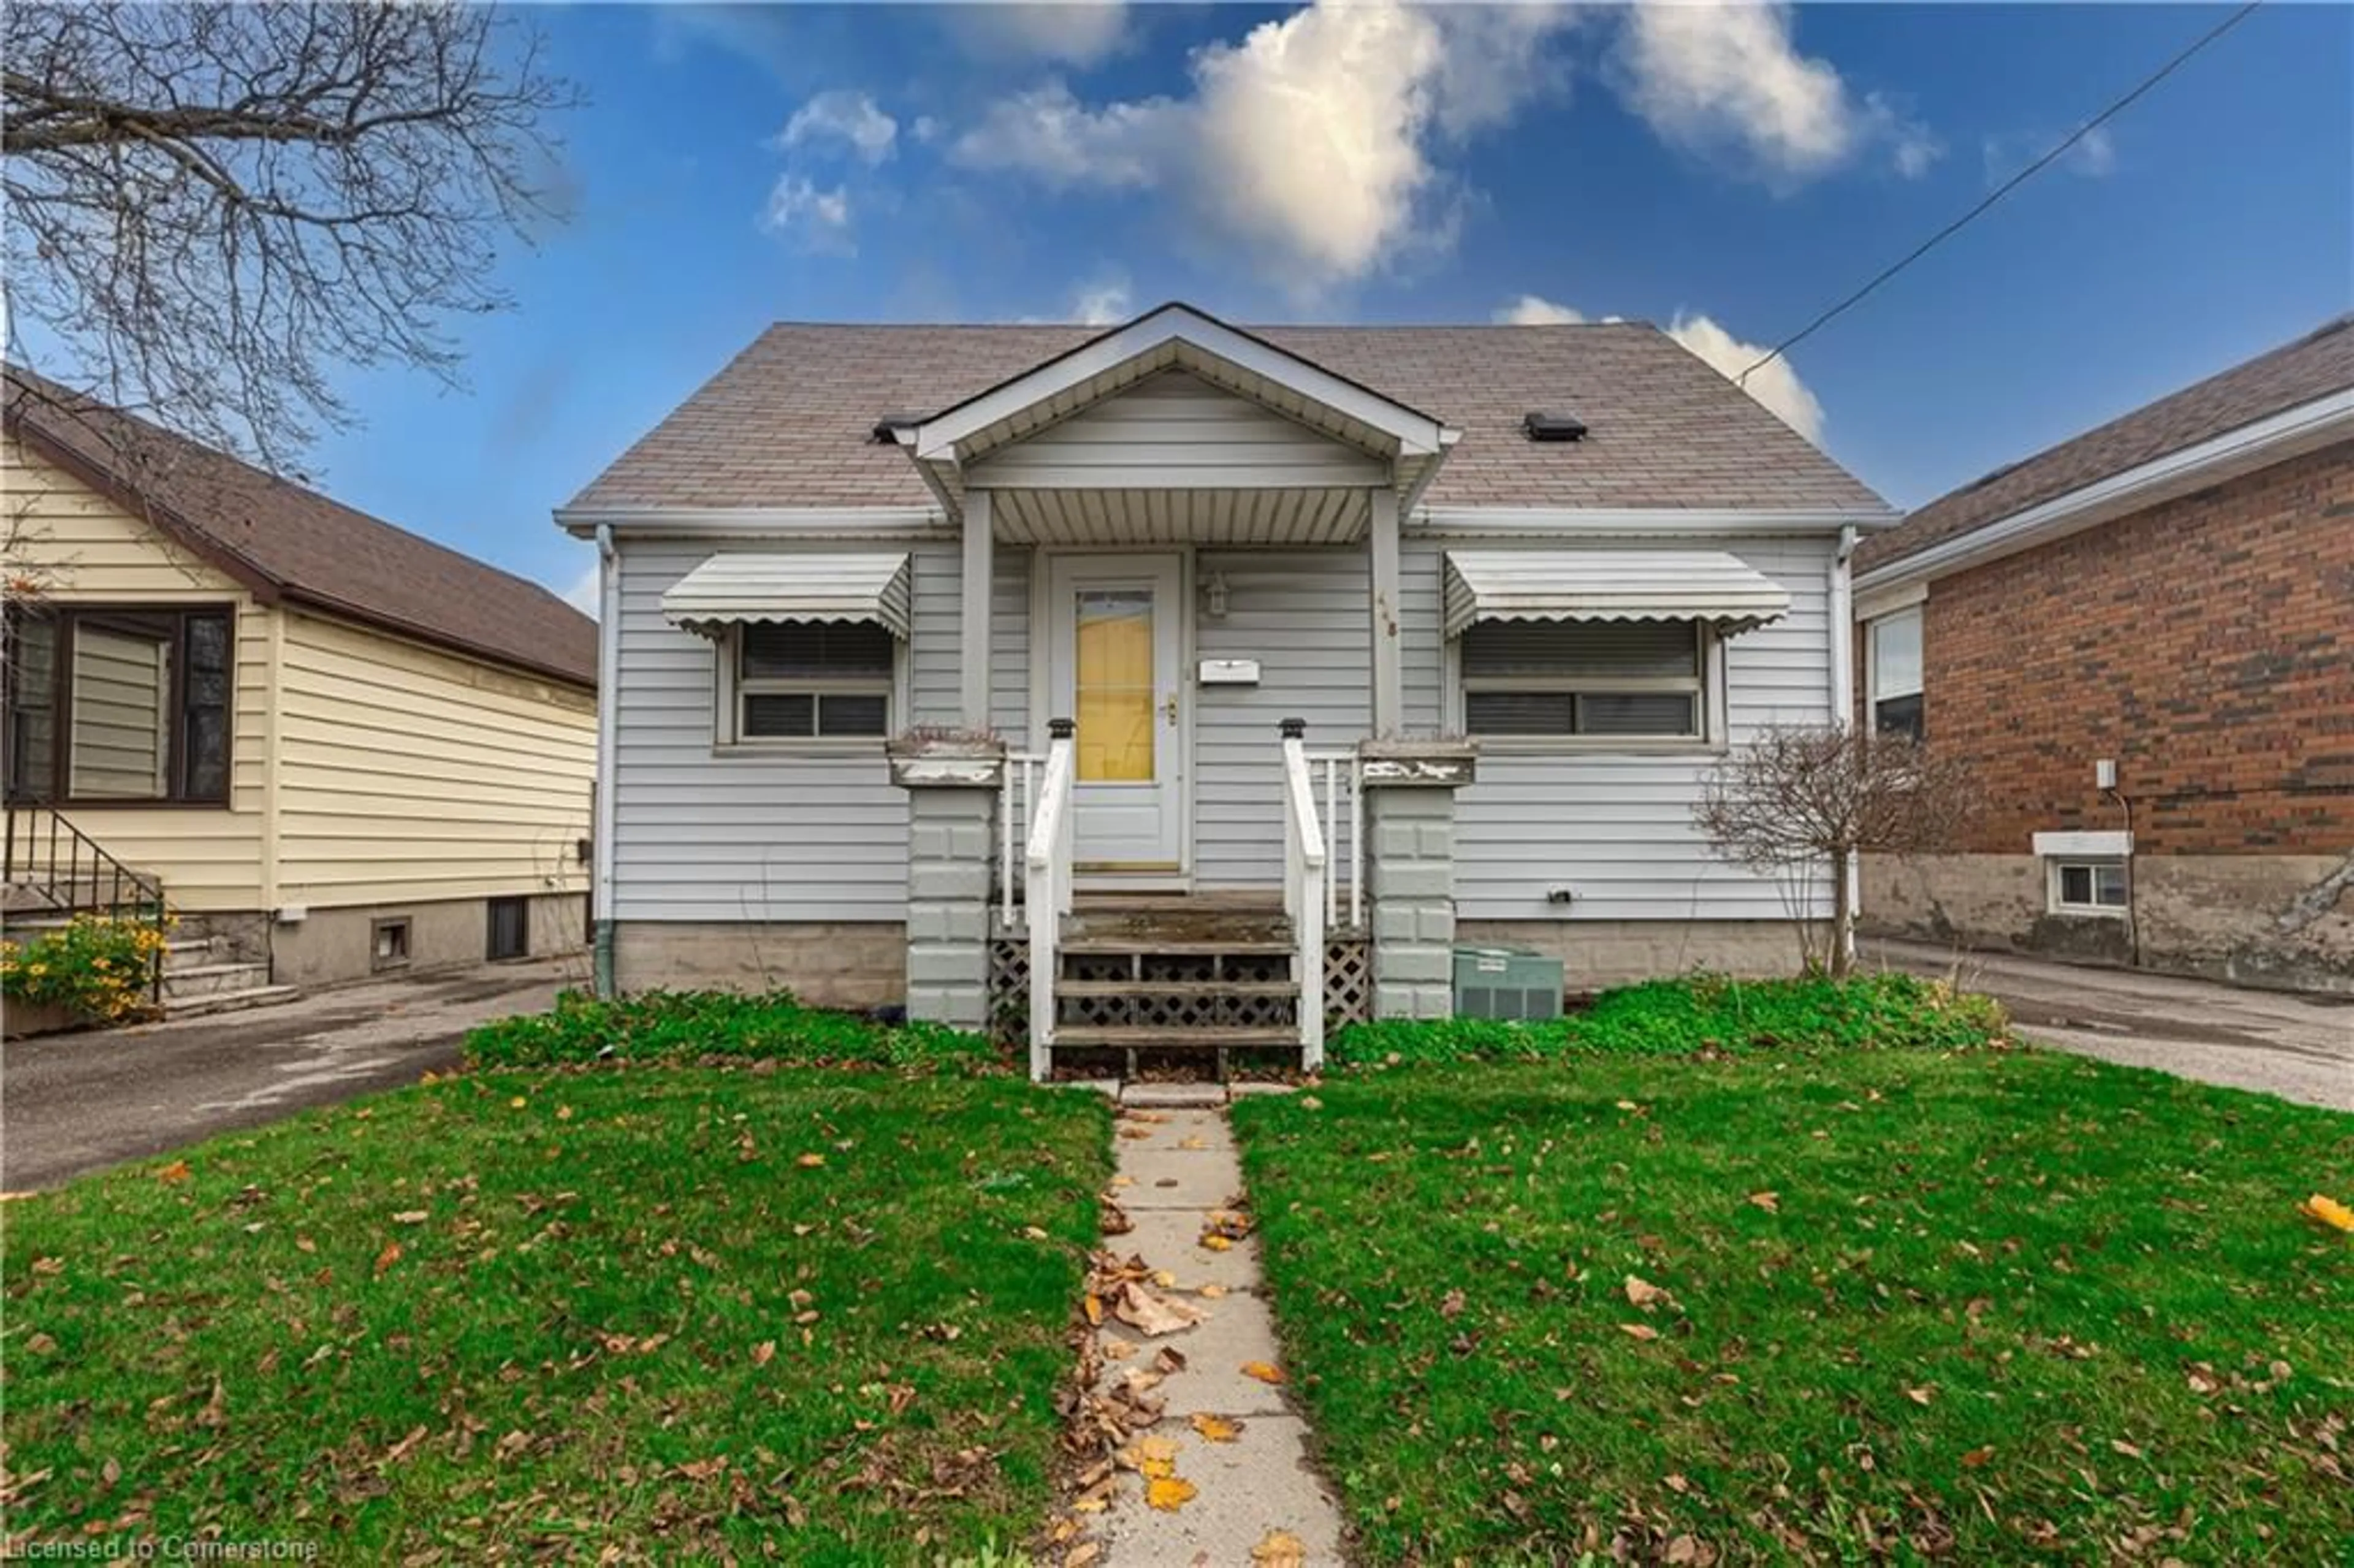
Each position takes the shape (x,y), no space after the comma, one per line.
(1986,1306)
(814,1318)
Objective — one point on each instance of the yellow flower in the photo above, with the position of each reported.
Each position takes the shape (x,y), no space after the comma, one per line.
(38,970)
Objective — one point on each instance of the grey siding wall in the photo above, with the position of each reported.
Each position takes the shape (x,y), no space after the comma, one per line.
(1302,614)
(1009,643)
(1617,830)
(1170,426)
(700,834)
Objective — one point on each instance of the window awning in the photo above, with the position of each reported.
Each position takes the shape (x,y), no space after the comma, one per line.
(1609,585)
(733,588)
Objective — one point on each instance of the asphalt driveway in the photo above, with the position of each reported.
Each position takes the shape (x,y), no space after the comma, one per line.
(2300,1047)
(71,1103)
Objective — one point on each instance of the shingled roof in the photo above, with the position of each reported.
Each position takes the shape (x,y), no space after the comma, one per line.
(2314,365)
(789,421)
(284,542)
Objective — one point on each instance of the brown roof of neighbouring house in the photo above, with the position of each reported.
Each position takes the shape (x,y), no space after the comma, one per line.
(2314,365)
(281,540)
(789,421)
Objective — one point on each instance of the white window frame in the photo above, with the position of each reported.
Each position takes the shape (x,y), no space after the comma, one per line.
(2057,903)
(730,689)
(1874,692)
(1708,687)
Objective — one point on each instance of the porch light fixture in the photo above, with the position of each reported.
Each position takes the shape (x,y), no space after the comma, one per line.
(1541,426)
(1213,597)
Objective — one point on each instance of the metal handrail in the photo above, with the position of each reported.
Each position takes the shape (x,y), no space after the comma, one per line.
(70,884)
(1305,889)
(1046,885)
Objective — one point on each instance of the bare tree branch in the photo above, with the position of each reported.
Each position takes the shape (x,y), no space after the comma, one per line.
(1802,799)
(210,205)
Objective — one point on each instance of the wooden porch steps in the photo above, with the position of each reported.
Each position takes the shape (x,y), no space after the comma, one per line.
(1196,976)
(1083,1036)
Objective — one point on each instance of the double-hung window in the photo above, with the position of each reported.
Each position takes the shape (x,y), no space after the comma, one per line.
(1591,679)
(1895,654)
(807,681)
(116,706)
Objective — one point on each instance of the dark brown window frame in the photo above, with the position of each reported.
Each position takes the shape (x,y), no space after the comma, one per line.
(66,616)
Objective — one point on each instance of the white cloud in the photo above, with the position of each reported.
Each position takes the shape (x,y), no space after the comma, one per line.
(1531,310)
(585,592)
(1075,32)
(1777,385)
(846,116)
(2093,157)
(811,217)
(1711,77)
(1313,141)
(1106,303)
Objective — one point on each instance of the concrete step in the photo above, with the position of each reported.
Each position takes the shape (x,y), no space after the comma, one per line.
(183,954)
(227,1001)
(203,980)
(1093,945)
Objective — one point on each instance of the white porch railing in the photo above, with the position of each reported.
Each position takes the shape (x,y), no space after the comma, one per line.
(1338,770)
(1046,887)
(1306,890)
(1014,803)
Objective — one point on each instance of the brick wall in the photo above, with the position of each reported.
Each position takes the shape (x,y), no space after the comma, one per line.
(2207,644)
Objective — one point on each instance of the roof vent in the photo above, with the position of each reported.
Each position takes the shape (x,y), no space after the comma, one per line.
(1544,426)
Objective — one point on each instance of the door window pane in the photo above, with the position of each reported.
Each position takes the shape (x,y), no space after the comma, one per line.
(1113,682)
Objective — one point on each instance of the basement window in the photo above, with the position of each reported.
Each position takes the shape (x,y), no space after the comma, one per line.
(391,944)
(2087,887)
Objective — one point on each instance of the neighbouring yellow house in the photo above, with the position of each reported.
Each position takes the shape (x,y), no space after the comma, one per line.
(340,748)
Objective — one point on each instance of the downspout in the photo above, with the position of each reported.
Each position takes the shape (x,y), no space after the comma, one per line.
(1843,619)
(609,659)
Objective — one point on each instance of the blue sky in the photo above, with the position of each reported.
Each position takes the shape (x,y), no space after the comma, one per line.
(1727,171)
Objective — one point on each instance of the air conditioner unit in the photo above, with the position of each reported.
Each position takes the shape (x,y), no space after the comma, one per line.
(1506,982)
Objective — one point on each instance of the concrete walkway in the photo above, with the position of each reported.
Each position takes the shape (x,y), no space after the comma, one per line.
(72,1103)
(2300,1047)
(1254,1490)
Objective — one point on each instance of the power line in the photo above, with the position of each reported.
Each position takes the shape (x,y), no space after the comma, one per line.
(2020,178)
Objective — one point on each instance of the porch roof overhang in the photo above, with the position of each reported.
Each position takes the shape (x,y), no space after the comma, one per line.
(1710,586)
(734,587)
(1400,448)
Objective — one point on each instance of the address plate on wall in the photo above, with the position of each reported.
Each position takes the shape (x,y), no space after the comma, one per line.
(1230,672)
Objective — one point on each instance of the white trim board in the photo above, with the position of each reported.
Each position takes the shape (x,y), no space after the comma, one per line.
(1631,522)
(774,522)
(2290,433)
(2084,845)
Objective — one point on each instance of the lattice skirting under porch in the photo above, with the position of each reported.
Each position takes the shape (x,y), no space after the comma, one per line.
(1348,992)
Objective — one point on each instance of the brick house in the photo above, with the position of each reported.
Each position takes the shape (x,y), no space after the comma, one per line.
(2143,638)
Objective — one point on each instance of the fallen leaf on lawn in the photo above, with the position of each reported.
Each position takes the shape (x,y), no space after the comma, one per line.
(409,1217)
(1136,1132)
(40,1344)
(1642,1293)
(2127,1449)
(388,1257)
(1921,1395)
(1978,1456)
(1157,1448)
(402,1449)
(1265,1371)
(175,1171)
(1210,1292)
(518,1103)
(1115,1221)
(1093,1307)
(704,1469)
(1769,1201)
(1310,1102)
(1165,1279)
(1216,1428)
(1115,1349)
(1691,1550)
(1215,1243)
(1153,1315)
(1452,1304)
(809,1162)
(563,1113)
(1279,1549)
(764,1352)
(1083,1555)
(1638,1330)
(1190,1143)
(2328,1210)
(1629,1106)
(2203,1380)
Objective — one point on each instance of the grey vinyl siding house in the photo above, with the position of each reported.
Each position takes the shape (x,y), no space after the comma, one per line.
(1521,655)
